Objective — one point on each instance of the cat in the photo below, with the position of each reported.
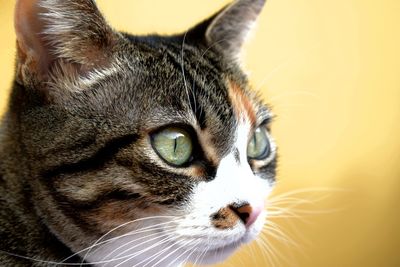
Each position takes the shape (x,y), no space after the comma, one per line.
(123,150)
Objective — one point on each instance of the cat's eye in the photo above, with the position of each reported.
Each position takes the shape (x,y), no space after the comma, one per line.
(259,146)
(173,145)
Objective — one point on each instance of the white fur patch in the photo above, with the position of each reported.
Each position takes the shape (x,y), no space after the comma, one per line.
(235,182)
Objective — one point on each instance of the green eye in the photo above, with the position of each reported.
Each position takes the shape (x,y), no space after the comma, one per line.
(174,145)
(258,147)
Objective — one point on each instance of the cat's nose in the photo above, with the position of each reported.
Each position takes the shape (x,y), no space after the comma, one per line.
(246,213)
(227,217)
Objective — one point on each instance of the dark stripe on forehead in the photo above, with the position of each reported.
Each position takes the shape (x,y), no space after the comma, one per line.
(190,90)
(207,94)
(197,110)
(95,162)
(200,69)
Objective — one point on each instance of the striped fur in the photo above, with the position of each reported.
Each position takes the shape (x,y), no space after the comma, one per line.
(75,153)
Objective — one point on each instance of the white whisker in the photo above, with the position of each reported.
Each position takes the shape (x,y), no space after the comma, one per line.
(264,251)
(173,251)
(138,239)
(118,227)
(132,256)
(183,70)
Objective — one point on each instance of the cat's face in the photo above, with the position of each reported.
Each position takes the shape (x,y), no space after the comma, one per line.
(153,146)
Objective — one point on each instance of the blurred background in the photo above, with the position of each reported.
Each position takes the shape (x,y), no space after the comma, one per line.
(331,72)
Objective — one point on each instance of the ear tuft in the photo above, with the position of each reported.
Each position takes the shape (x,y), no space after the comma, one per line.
(75,28)
(52,30)
(230,28)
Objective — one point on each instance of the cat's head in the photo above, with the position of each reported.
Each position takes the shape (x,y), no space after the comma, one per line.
(152,145)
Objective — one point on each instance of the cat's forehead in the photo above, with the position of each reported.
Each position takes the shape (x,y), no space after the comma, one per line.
(179,75)
(182,76)
(172,83)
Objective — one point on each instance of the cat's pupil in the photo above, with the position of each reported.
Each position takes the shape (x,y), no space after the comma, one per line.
(175,145)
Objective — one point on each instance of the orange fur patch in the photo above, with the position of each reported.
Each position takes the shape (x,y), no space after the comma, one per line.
(241,104)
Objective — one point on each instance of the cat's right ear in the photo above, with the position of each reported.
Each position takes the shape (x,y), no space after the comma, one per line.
(227,30)
(71,34)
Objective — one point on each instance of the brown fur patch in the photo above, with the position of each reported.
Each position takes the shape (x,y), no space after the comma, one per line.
(198,171)
(205,139)
(241,104)
(116,213)
(225,218)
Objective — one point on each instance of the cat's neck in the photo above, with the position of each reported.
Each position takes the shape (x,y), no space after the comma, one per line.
(20,225)
(12,170)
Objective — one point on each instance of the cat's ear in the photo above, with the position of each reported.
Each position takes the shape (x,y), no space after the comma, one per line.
(52,31)
(228,29)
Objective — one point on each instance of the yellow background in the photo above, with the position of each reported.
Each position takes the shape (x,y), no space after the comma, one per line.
(331,71)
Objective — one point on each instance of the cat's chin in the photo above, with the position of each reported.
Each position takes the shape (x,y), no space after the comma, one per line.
(216,255)
(221,253)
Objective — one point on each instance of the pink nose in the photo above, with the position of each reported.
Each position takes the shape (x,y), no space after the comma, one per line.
(253,216)
(247,214)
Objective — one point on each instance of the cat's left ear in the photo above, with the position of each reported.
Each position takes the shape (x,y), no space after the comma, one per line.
(50,33)
(228,29)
